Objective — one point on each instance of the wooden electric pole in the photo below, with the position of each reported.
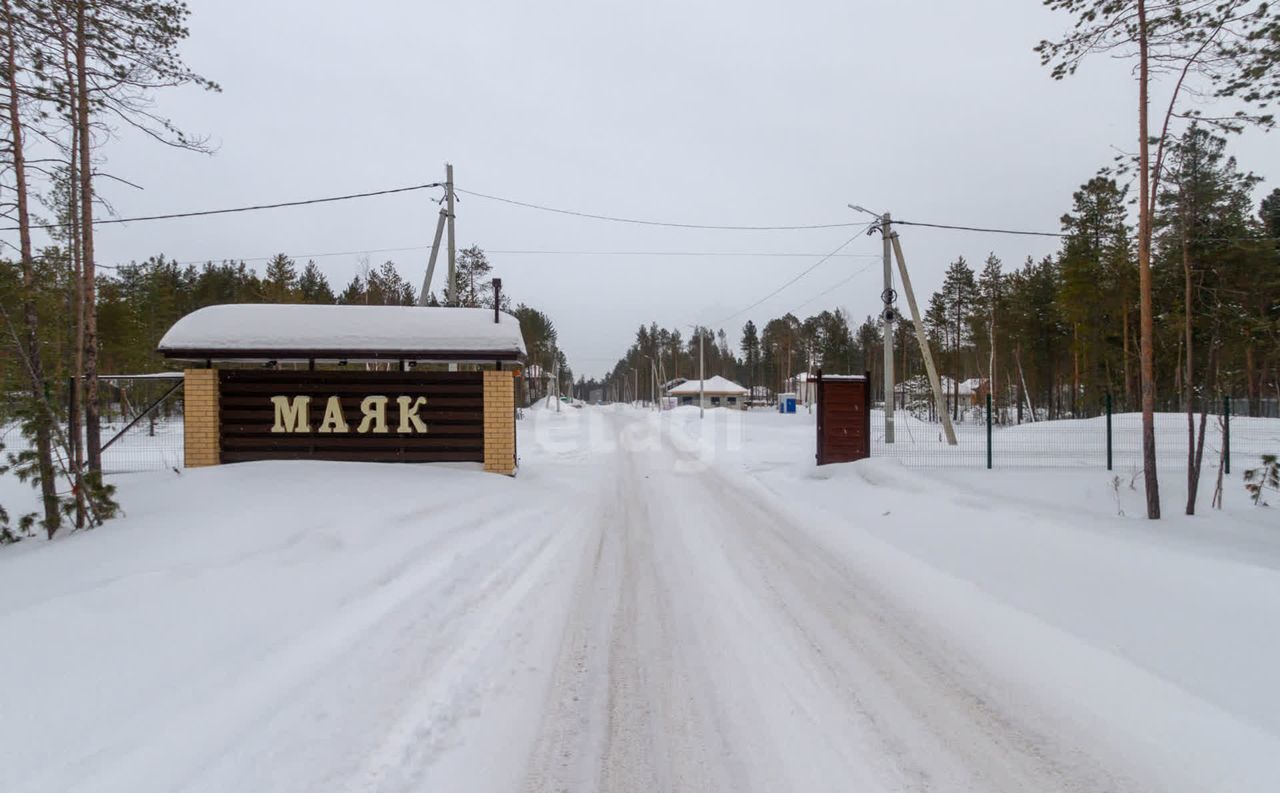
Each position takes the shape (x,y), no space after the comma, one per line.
(452,289)
(888,315)
(923,338)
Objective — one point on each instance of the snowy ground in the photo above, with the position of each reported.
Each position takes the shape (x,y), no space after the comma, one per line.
(655,603)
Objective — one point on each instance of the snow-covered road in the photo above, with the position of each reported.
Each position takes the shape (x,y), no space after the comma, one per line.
(628,614)
(715,645)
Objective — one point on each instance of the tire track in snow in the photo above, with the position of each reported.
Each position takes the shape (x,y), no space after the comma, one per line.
(919,697)
(211,732)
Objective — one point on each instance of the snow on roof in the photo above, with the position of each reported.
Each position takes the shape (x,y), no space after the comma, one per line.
(408,331)
(714,385)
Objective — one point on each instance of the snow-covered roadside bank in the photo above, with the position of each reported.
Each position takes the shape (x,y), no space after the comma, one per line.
(290,627)
(1159,636)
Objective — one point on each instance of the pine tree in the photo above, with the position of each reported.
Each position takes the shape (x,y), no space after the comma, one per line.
(1222,49)
(280,282)
(1095,267)
(950,317)
(473,277)
(750,347)
(989,313)
(313,287)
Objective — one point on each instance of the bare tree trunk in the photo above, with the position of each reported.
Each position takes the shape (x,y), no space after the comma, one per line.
(31,320)
(1196,461)
(1146,348)
(1188,389)
(93,428)
(75,420)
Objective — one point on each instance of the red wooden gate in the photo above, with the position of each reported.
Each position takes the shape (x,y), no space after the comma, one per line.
(844,418)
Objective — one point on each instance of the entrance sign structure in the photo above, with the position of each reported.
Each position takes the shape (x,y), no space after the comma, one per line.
(360,383)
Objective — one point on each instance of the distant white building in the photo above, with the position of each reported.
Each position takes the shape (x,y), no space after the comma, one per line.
(717,392)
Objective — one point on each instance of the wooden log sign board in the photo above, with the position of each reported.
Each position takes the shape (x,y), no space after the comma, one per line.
(844,418)
(351,415)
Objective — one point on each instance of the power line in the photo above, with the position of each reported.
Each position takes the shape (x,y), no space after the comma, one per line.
(667,224)
(834,287)
(897,222)
(799,275)
(204,212)
(525,252)
(1057,234)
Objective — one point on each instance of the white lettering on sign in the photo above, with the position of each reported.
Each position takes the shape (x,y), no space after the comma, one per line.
(333,420)
(293,415)
(374,409)
(409,414)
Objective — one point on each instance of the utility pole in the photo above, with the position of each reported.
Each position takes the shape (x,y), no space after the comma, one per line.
(940,401)
(657,386)
(452,291)
(889,314)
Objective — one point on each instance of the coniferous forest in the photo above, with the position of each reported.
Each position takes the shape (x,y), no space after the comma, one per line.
(1059,334)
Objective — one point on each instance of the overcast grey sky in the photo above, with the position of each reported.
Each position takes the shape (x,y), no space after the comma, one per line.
(744,112)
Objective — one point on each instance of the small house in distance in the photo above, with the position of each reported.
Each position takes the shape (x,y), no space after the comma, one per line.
(716,391)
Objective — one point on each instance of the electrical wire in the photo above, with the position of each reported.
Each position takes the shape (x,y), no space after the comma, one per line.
(799,275)
(975,228)
(635,221)
(1056,234)
(205,212)
(833,287)
(499,252)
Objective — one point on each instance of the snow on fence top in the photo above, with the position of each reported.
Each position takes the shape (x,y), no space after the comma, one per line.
(273,331)
(714,385)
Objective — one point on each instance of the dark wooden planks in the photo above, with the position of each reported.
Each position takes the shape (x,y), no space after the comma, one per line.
(844,419)
(453,414)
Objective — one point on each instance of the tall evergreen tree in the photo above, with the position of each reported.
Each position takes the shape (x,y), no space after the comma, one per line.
(280,282)
(750,347)
(313,287)
(1223,49)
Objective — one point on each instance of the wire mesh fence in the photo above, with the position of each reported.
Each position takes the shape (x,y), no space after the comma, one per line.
(1110,440)
(141,422)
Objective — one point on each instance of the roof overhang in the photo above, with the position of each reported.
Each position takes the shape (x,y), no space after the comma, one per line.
(267,332)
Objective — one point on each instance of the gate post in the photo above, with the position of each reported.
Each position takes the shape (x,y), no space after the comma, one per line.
(1226,434)
(1108,430)
(818,423)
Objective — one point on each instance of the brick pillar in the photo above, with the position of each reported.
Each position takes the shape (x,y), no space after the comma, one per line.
(500,421)
(200,418)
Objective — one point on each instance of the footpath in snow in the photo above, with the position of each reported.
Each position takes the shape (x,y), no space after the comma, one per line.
(655,603)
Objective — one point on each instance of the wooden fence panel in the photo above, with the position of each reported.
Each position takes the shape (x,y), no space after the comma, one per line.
(453,414)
